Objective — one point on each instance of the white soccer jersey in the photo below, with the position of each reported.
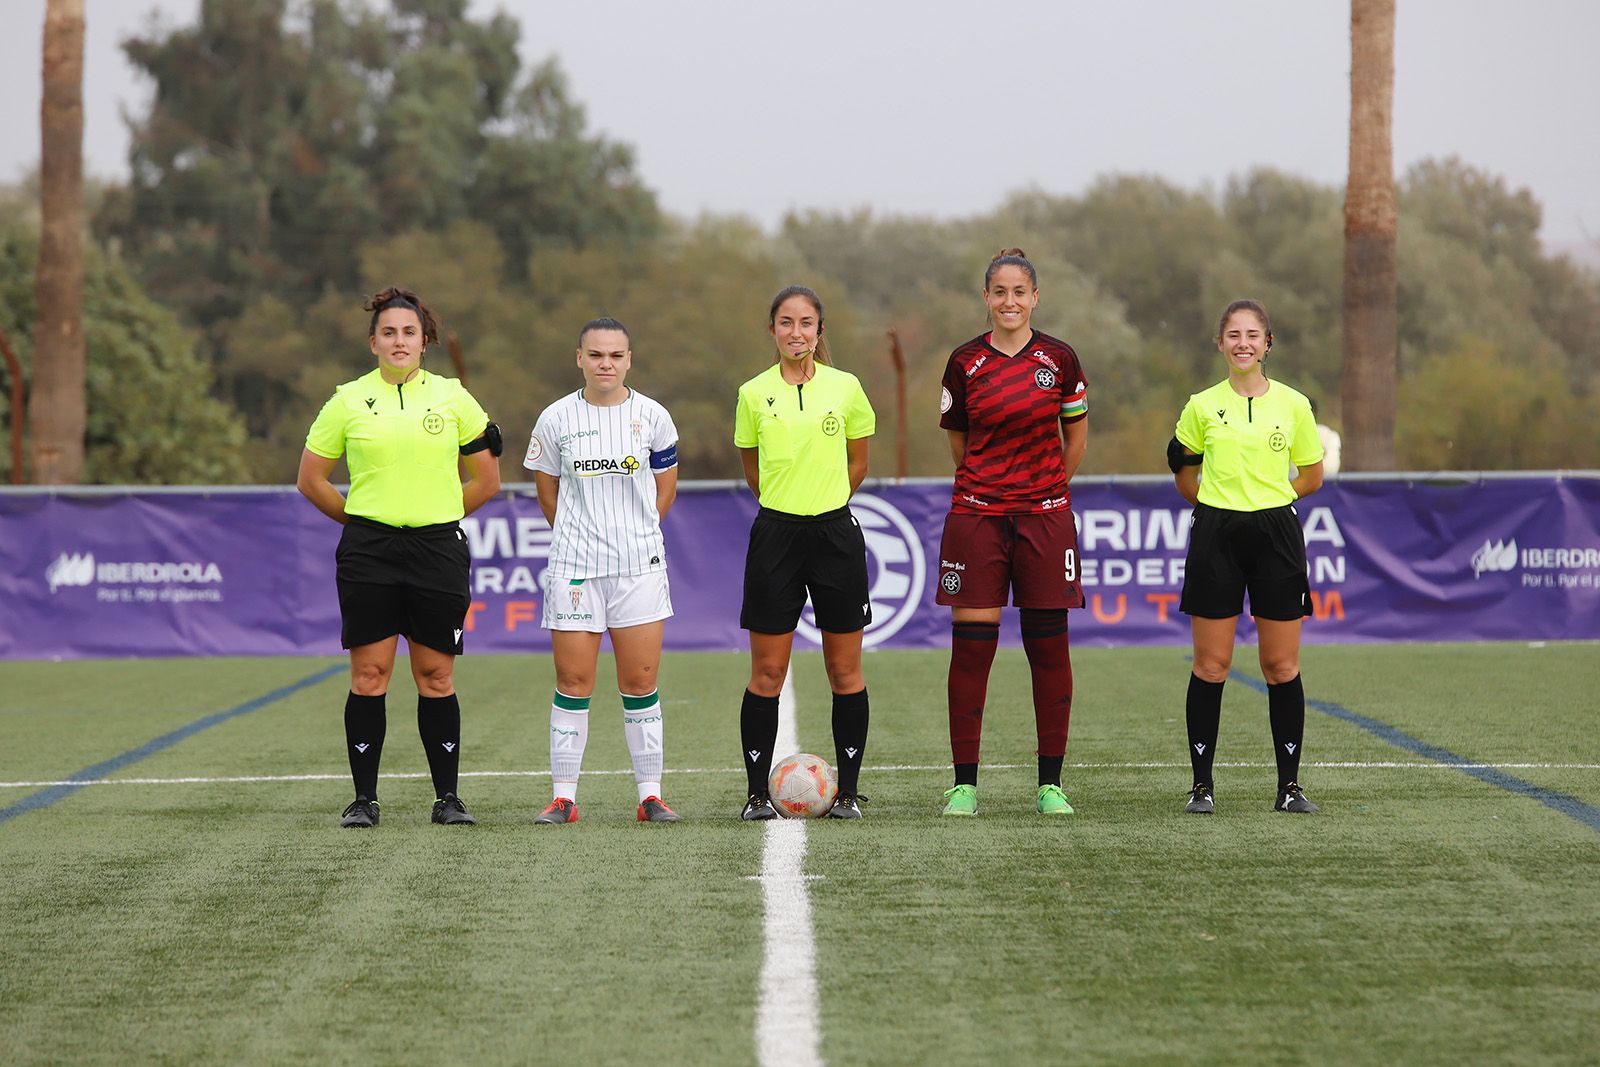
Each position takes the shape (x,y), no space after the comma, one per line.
(606,459)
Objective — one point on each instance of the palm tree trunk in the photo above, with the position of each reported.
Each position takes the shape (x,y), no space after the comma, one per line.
(56,409)
(1370,316)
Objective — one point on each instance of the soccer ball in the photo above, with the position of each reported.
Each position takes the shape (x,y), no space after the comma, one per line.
(803,786)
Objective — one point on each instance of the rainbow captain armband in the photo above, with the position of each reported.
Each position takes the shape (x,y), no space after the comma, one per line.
(490,439)
(664,459)
(1177,459)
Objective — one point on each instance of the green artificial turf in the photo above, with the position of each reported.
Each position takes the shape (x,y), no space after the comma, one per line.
(1426,916)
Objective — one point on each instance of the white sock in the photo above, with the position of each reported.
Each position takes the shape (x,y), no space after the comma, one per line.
(641,725)
(569,735)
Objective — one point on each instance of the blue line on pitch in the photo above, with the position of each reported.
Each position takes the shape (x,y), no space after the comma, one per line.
(45,797)
(1569,806)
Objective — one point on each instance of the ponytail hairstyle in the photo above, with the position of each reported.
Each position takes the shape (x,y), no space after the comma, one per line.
(396,297)
(1010,257)
(820,353)
(1255,308)
(604,322)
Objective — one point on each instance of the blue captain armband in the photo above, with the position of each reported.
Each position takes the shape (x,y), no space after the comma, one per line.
(667,457)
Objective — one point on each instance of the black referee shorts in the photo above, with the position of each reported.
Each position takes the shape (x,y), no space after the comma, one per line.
(790,555)
(1234,551)
(409,581)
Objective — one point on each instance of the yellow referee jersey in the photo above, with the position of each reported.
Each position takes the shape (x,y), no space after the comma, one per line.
(1248,444)
(800,432)
(403,443)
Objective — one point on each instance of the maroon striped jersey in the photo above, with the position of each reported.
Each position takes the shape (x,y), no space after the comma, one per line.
(1010,408)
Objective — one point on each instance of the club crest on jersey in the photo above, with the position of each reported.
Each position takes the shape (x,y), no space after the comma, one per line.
(1044,378)
(433,422)
(599,466)
(950,582)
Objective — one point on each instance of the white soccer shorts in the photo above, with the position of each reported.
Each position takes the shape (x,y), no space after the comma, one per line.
(600,604)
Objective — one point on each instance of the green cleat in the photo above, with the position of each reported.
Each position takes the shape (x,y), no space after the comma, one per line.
(1052,801)
(961,800)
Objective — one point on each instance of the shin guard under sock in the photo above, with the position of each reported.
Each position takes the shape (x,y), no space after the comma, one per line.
(439,723)
(1044,639)
(972,647)
(1286,704)
(849,737)
(758,732)
(1203,713)
(365,723)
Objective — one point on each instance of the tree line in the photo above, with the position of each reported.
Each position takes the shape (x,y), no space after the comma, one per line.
(296,156)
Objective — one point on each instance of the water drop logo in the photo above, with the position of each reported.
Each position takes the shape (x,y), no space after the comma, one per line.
(70,569)
(1494,556)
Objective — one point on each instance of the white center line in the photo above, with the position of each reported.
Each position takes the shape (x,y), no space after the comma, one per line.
(787,1015)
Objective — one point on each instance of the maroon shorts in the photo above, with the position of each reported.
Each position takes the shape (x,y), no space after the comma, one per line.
(1035,556)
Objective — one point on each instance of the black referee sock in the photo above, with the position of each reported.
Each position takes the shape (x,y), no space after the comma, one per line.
(364,726)
(1286,704)
(1203,711)
(758,732)
(1050,769)
(849,737)
(439,723)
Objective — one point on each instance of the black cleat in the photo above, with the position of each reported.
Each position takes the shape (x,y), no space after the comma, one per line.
(360,814)
(1200,802)
(847,806)
(560,812)
(451,812)
(758,808)
(654,809)
(1292,798)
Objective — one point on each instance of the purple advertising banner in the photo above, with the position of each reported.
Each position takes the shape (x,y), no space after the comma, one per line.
(249,571)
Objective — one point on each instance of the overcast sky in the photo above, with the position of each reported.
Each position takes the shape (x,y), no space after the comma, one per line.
(942,108)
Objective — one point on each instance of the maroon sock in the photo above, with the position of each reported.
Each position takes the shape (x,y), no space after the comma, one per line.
(972,646)
(1044,639)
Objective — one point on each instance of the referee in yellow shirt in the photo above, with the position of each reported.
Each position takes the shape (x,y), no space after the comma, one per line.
(802,427)
(402,562)
(1231,456)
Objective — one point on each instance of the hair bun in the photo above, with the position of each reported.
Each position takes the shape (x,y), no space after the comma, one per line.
(1004,252)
